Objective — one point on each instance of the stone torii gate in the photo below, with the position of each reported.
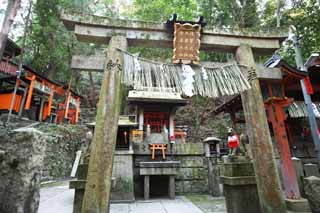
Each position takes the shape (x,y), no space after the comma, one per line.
(124,33)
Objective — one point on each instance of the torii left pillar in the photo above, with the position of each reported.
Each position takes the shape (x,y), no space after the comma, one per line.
(97,191)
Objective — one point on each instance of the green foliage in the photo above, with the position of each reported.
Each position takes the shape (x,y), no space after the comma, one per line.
(161,10)
(233,13)
(304,15)
(49,44)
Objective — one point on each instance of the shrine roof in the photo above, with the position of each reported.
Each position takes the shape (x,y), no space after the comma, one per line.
(298,110)
(124,121)
(10,68)
(313,61)
(11,49)
(232,102)
(277,61)
(156,97)
(212,139)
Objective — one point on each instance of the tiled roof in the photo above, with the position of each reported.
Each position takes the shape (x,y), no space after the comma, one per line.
(299,110)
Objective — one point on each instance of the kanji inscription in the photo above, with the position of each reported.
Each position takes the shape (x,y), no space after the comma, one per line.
(186,43)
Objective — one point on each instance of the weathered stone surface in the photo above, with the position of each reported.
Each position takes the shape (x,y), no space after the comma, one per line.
(191,186)
(142,149)
(62,142)
(21,160)
(238,169)
(192,174)
(88,63)
(240,188)
(190,161)
(188,149)
(214,173)
(297,163)
(311,169)
(150,34)
(267,177)
(312,191)
(300,205)
(123,189)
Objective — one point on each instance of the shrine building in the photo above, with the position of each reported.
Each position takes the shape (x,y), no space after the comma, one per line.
(38,98)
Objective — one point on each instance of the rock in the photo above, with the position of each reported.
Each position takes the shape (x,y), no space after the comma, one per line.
(20,169)
(312,191)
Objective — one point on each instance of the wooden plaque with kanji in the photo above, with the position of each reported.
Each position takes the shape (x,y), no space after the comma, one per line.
(186,43)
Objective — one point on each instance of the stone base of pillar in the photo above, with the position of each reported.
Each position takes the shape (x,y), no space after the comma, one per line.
(301,205)
(239,186)
(172,188)
(146,187)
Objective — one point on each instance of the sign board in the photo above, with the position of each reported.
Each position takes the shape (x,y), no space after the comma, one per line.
(42,87)
(186,43)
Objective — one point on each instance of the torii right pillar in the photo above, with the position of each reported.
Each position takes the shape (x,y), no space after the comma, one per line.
(267,177)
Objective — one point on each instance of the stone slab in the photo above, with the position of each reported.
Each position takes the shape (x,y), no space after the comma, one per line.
(301,205)
(311,169)
(238,169)
(192,173)
(77,184)
(312,192)
(123,187)
(159,164)
(158,171)
(238,181)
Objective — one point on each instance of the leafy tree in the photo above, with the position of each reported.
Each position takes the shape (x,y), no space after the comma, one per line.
(161,10)
(11,11)
(231,14)
(304,15)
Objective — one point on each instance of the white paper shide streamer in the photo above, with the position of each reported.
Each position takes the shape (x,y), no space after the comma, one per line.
(147,75)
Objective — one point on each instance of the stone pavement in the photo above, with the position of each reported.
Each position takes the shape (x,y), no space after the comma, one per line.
(58,198)
(179,205)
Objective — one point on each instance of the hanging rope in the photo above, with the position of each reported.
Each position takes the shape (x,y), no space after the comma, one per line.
(144,74)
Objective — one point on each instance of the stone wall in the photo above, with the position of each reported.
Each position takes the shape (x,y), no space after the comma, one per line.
(28,154)
(21,159)
(62,142)
(192,174)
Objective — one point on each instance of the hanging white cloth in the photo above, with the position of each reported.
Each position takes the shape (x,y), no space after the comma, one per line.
(188,79)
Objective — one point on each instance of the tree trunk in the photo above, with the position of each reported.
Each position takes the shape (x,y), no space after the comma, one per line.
(278,13)
(11,12)
(52,64)
(92,91)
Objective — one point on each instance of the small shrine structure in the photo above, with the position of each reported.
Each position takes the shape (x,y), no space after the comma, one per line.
(37,97)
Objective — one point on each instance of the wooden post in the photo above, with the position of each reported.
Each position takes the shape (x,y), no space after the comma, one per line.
(50,100)
(41,108)
(30,91)
(23,101)
(67,105)
(171,124)
(97,191)
(267,177)
(77,110)
(141,118)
